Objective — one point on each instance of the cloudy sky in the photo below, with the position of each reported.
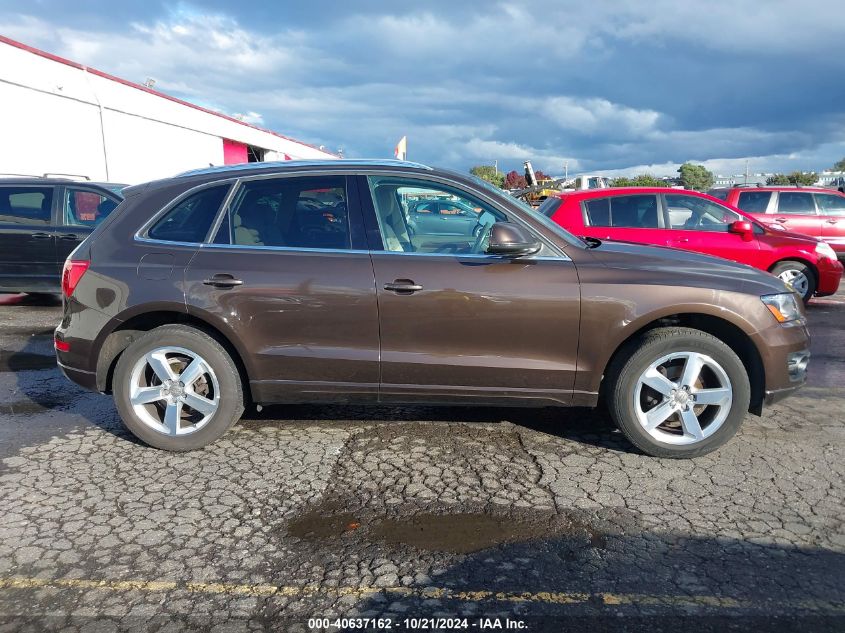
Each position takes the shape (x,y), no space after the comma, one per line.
(623,85)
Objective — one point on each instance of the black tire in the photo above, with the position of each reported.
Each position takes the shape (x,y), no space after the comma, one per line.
(231,404)
(800,267)
(623,376)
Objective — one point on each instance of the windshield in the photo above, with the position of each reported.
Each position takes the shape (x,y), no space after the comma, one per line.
(528,210)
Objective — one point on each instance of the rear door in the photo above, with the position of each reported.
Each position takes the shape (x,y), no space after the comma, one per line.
(289,275)
(81,209)
(629,218)
(27,239)
(756,204)
(701,225)
(796,211)
(832,209)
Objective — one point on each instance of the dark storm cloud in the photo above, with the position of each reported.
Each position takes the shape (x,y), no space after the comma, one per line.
(602,85)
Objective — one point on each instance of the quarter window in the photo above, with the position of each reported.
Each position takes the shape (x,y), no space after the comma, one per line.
(690,213)
(636,212)
(26,205)
(86,208)
(754,201)
(831,204)
(190,220)
(303,212)
(795,202)
(421,217)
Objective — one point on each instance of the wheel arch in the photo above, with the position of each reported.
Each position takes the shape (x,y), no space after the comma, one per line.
(723,329)
(801,260)
(127,331)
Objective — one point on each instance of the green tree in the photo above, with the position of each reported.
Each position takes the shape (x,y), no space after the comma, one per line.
(643,180)
(696,177)
(839,165)
(795,178)
(489,173)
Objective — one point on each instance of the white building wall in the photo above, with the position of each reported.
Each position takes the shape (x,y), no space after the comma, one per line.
(57,118)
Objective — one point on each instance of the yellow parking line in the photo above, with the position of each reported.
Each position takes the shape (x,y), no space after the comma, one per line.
(546,597)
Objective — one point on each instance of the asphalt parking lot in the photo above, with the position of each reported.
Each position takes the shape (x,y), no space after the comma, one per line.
(545,517)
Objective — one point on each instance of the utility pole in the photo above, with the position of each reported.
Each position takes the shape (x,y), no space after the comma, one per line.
(496,166)
(566,170)
(746,171)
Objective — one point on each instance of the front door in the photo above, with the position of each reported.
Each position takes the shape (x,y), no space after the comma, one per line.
(458,324)
(796,211)
(700,225)
(28,239)
(832,209)
(283,277)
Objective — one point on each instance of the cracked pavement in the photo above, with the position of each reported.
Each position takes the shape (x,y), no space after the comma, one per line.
(548,516)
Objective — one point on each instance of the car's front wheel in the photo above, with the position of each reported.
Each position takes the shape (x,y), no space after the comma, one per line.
(176,388)
(797,275)
(678,392)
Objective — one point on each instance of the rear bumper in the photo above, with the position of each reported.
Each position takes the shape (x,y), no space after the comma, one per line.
(830,276)
(85,379)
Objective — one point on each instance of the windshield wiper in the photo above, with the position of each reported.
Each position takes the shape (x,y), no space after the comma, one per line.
(591,242)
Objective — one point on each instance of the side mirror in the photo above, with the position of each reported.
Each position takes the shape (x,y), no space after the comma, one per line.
(743,228)
(511,240)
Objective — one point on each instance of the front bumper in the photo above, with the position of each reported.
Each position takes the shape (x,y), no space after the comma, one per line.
(830,275)
(785,354)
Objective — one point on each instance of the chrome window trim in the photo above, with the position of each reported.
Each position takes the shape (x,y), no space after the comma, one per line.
(502,258)
(284,249)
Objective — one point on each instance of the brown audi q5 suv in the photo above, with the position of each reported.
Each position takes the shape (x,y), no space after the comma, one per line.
(326,282)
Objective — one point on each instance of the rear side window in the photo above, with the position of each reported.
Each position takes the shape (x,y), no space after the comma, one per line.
(83,207)
(299,212)
(754,201)
(26,205)
(830,204)
(796,202)
(549,206)
(721,194)
(634,212)
(190,220)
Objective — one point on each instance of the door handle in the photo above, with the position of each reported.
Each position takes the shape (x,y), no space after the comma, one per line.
(41,236)
(223,281)
(69,236)
(680,240)
(781,220)
(402,286)
(832,221)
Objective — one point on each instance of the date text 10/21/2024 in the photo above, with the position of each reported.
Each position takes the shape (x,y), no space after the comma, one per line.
(418,624)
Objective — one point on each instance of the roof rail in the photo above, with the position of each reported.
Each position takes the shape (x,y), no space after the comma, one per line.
(20,175)
(61,175)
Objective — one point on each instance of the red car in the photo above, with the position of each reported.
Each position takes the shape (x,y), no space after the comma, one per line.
(697,222)
(811,211)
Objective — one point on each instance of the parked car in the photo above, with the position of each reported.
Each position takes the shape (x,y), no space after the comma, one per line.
(443,217)
(204,295)
(812,211)
(697,222)
(41,221)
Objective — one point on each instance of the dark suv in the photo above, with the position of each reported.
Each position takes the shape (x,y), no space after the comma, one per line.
(300,282)
(41,221)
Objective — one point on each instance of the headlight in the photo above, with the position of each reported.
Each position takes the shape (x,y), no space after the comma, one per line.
(784,307)
(825,251)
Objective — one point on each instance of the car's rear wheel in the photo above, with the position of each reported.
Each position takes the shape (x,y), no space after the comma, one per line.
(176,388)
(798,276)
(678,392)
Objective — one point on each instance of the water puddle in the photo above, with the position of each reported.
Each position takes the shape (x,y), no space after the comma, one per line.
(458,533)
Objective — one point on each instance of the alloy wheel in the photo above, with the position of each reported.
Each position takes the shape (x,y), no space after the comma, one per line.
(174,391)
(683,398)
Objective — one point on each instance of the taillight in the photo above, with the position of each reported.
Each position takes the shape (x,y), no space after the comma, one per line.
(72,273)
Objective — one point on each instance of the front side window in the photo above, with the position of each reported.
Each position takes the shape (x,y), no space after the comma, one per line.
(83,207)
(754,201)
(796,202)
(26,205)
(422,217)
(632,212)
(298,212)
(190,220)
(830,204)
(690,213)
